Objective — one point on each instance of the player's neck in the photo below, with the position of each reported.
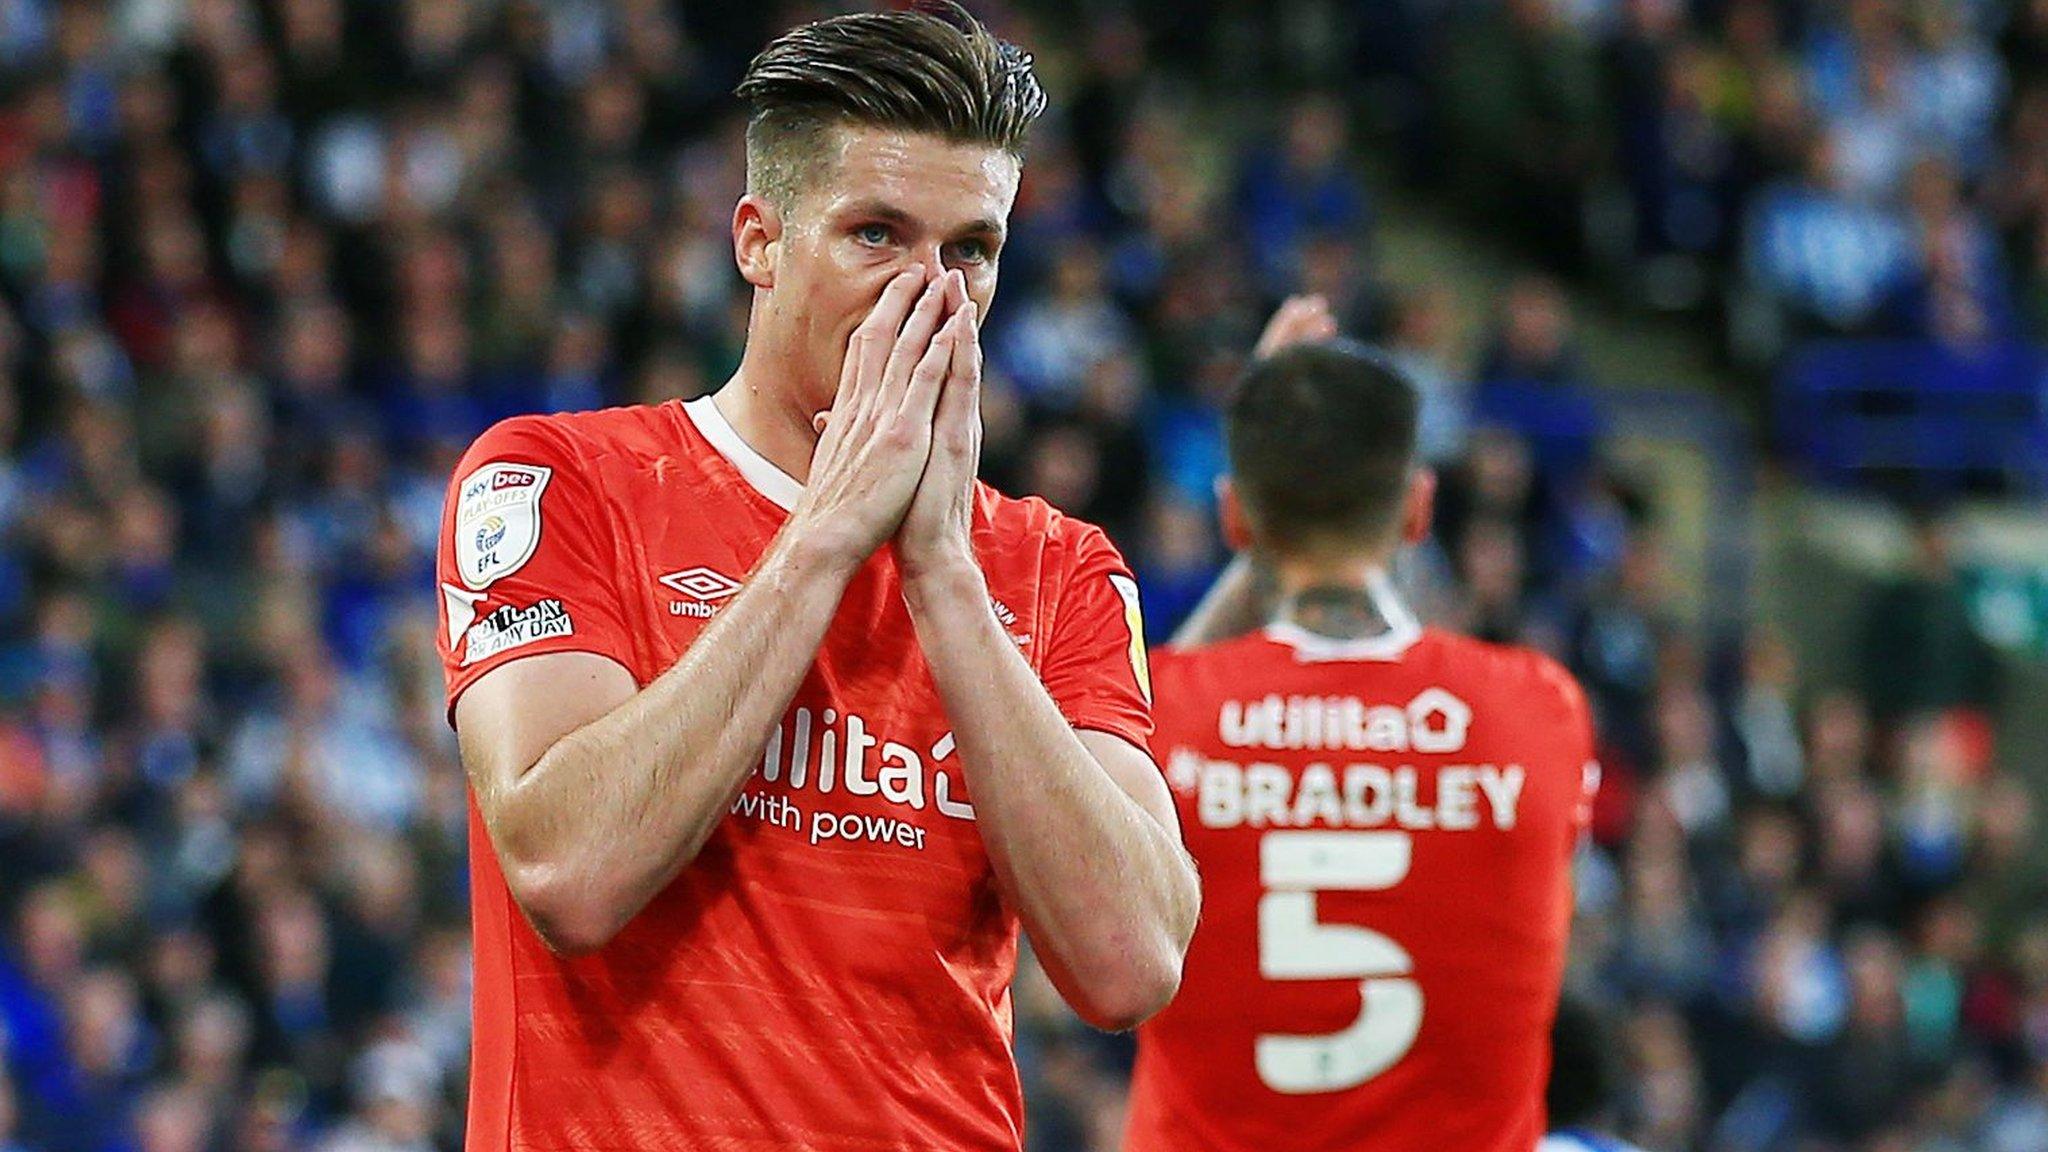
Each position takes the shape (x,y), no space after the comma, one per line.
(1347,598)
(769,424)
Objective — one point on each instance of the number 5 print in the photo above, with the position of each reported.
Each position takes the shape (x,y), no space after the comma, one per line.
(1294,945)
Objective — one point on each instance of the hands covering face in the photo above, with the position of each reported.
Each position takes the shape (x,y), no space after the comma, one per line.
(898,450)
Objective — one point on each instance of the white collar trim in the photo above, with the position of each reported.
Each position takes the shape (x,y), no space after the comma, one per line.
(758,471)
(1403,630)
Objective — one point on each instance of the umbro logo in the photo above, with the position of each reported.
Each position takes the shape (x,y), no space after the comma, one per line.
(702,583)
(703,586)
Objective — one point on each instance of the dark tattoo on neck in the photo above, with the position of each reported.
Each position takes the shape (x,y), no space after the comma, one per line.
(1338,612)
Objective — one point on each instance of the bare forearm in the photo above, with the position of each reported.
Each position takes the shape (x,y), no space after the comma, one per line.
(1240,601)
(614,810)
(1104,888)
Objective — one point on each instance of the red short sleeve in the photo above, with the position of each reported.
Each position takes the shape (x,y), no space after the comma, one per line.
(1577,733)
(1095,665)
(525,562)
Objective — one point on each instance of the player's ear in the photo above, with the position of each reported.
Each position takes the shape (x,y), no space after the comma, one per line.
(1237,531)
(1419,507)
(756,239)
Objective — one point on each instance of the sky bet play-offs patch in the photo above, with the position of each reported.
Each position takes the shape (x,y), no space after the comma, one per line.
(497,520)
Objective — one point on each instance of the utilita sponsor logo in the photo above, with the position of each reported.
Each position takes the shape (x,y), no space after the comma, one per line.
(816,757)
(822,751)
(1434,722)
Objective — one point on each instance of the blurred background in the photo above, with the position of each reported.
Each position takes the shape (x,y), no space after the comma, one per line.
(1728,316)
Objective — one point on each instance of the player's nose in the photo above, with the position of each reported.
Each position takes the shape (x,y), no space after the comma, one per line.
(931,259)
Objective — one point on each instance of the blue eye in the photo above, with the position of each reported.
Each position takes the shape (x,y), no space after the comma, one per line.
(972,251)
(873,234)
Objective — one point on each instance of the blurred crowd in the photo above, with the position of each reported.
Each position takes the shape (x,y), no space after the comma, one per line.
(1827,166)
(1787,168)
(266,268)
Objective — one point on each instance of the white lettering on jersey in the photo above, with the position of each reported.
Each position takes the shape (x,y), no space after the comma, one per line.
(497,520)
(813,754)
(1455,797)
(824,752)
(1435,721)
(510,627)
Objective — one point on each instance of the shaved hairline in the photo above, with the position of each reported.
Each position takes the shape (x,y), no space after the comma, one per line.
(801,158)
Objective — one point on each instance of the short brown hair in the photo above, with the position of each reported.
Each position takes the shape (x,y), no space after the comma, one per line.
(934,69)
(1322,442)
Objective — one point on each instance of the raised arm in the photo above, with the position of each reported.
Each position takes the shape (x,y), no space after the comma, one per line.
(595,793)
(1243,598)
(1078,824)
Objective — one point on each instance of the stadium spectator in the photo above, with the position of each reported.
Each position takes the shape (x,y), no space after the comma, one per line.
(1583,1091)
(1921,652)
(1423,341)
(1823,254)
(1521,101)
(1532,341)
(1053,347)
(9,1115)
(1302,195)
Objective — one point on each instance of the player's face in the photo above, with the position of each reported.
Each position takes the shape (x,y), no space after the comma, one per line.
(887,201)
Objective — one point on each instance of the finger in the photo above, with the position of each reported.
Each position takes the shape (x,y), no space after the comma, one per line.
(1273,335)
(1319,316)
(1301,318)
(1298,319)
(956,291)
(819,421)
(868,351)
(967,361)
(928,378)
(959,413)
(898,297)
(915,339)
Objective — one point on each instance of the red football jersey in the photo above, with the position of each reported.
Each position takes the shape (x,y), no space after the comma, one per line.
(1385,833)
(833,970)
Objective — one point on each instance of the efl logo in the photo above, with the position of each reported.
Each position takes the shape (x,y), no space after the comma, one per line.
(490,533)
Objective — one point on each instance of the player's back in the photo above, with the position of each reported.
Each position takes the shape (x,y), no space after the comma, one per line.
(1385,833)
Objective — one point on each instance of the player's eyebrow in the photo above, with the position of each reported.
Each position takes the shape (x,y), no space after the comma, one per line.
(993,229)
